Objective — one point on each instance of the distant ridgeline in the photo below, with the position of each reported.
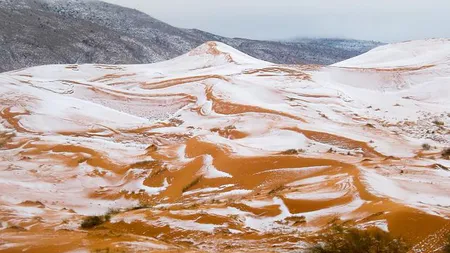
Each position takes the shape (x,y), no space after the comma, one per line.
(72,31)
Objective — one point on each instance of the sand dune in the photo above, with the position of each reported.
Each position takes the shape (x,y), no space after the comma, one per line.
(217,151)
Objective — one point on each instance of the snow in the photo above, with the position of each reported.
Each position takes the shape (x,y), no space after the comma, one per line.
(6,246)
(233,193)
(257,203)
(189,225)
(302,170)
(275,141)
(381,224)
(342,211)
(138,185)
(315,180)
(409,191)
(404,54)
(144,245)
(208,190)
(267,224)
(225,211)
(321,195)
(209,171)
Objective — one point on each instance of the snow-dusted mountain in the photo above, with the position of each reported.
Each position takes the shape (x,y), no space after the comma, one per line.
(215,150)
(37,32)
(341,44)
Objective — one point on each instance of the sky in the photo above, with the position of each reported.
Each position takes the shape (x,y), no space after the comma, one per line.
(380,20)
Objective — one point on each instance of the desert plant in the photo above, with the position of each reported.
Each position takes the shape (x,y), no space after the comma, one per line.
(142,205)
(231,127)
(157,172)
(298,220)
(5,137)
(113,211)
(426,146)
(152,148)
(446,153)
(447,245)
(214,130)
(292,152)
(276,189)
(150,164)
(438,123)
(93,221)
(191,184)
(352,240)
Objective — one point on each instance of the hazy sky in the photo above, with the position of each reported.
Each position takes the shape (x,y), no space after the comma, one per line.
(383,20)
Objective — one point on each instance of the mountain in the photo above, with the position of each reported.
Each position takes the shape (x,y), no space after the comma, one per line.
(39,32)
(341,44)
(217,151)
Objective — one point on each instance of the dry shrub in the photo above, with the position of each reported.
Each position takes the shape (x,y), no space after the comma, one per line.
(93,221)
(426,146)
(438,123)
(293,152)
(142,205)
(353,240)
(96,220)
(191,184)
(5,137)
(446,153)
(447,245)
(276,189)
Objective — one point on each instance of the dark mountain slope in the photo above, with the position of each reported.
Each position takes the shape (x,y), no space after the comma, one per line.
(37,32)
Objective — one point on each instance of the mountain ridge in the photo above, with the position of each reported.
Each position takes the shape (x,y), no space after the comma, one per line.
(73,31)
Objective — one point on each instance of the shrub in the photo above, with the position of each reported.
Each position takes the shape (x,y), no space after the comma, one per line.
(292,152)
(276,189)
(146,164)
(157,172)
(426,146)
(141,205)
(447,245)
(231,127)
(446,153)
(191,184)
(113,211)
(152,148)
(298,220)
(438,123)
(93,221)
(214,130)
(5,138)
(352,240)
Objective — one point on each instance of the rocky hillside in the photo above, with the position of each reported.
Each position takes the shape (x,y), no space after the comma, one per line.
(37,32)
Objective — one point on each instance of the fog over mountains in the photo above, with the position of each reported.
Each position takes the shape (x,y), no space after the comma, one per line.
(38,32)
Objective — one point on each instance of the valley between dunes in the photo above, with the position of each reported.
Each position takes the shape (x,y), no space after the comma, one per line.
(217,151)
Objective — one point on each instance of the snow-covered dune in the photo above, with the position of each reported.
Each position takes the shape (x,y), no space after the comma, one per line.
(225,149)
(416,53)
